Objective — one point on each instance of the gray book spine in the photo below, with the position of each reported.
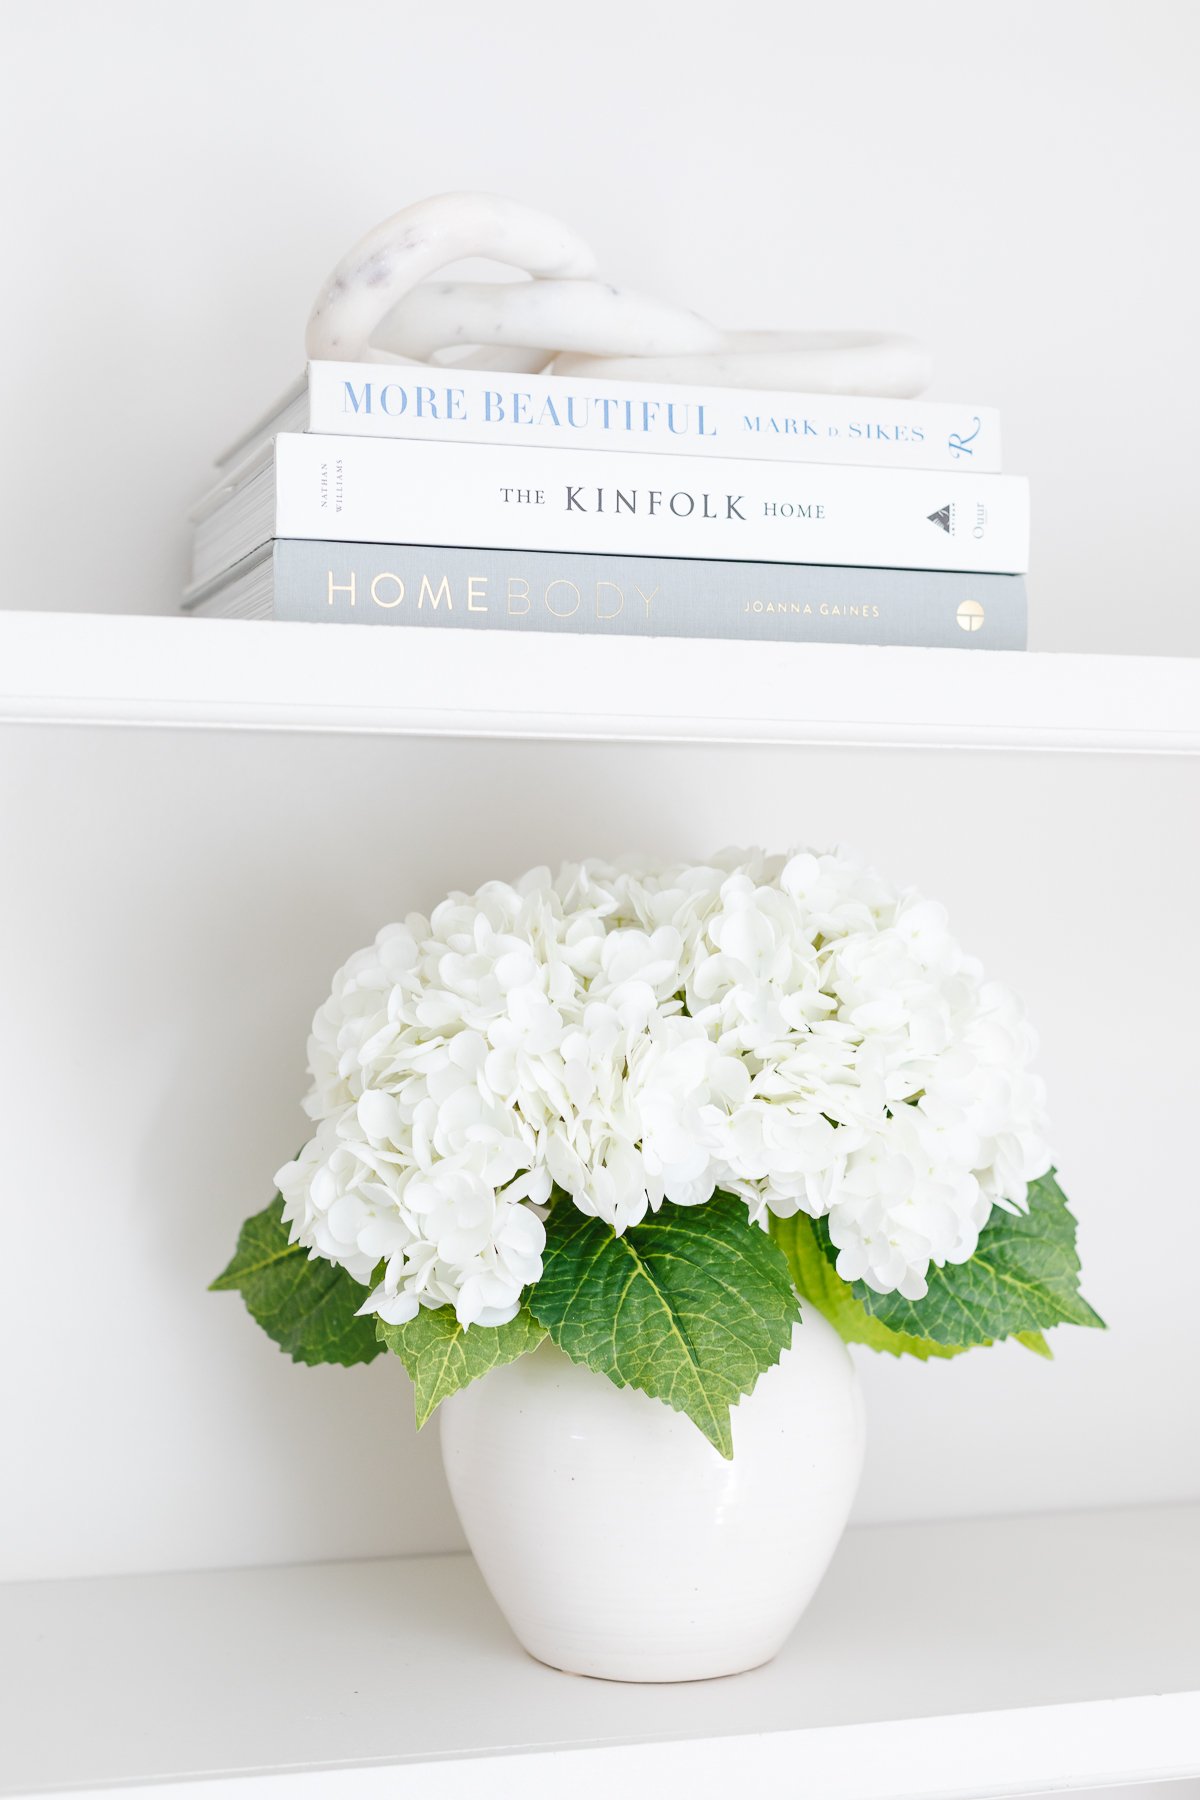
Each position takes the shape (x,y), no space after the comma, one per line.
(508,590)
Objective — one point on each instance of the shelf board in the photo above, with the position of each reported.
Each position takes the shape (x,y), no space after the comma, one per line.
(984,1657)
(112,669)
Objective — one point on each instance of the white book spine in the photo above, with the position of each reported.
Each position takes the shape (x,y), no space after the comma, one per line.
(564,411)
(391,491)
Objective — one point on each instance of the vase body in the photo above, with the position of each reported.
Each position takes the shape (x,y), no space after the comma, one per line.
(618,1543)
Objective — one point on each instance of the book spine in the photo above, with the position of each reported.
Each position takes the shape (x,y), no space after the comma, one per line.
(592,501)
(562,411)
(464,589)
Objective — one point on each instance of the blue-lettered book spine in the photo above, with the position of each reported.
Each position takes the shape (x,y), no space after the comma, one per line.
(570,411)
(607,596)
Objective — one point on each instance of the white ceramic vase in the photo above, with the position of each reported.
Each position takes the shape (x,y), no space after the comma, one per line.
(615,1539)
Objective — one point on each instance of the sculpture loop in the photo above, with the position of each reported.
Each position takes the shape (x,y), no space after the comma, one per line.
(800,362)
(381,304)
(386,264)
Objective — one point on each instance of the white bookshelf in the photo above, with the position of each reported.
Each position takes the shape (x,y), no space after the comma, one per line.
(965,1659)
(199,818)
(120,670)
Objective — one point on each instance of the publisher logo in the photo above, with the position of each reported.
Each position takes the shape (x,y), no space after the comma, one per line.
(959,443)
(970,616)
(944,516)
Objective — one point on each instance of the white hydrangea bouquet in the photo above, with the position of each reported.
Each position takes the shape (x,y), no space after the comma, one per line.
(644,1112)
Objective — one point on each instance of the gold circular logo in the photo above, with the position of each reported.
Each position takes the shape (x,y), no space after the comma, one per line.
(969,615)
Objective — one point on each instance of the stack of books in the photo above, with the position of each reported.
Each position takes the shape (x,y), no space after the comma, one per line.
(392,494)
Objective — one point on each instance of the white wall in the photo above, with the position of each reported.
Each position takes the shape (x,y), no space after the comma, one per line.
(1013,180)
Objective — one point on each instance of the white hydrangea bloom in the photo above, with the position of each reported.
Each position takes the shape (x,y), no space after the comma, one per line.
(788,1029)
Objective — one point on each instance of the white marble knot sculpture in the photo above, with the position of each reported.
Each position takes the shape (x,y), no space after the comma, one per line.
(386,301)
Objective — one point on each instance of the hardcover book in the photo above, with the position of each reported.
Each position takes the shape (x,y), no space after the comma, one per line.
(389,490)
(560,411)
(523,590)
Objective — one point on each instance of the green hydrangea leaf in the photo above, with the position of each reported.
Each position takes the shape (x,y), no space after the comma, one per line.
(442,1356)
(1033,1340)
(819,1283)
(690,1306)
(1023,1277)
(306,1305)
